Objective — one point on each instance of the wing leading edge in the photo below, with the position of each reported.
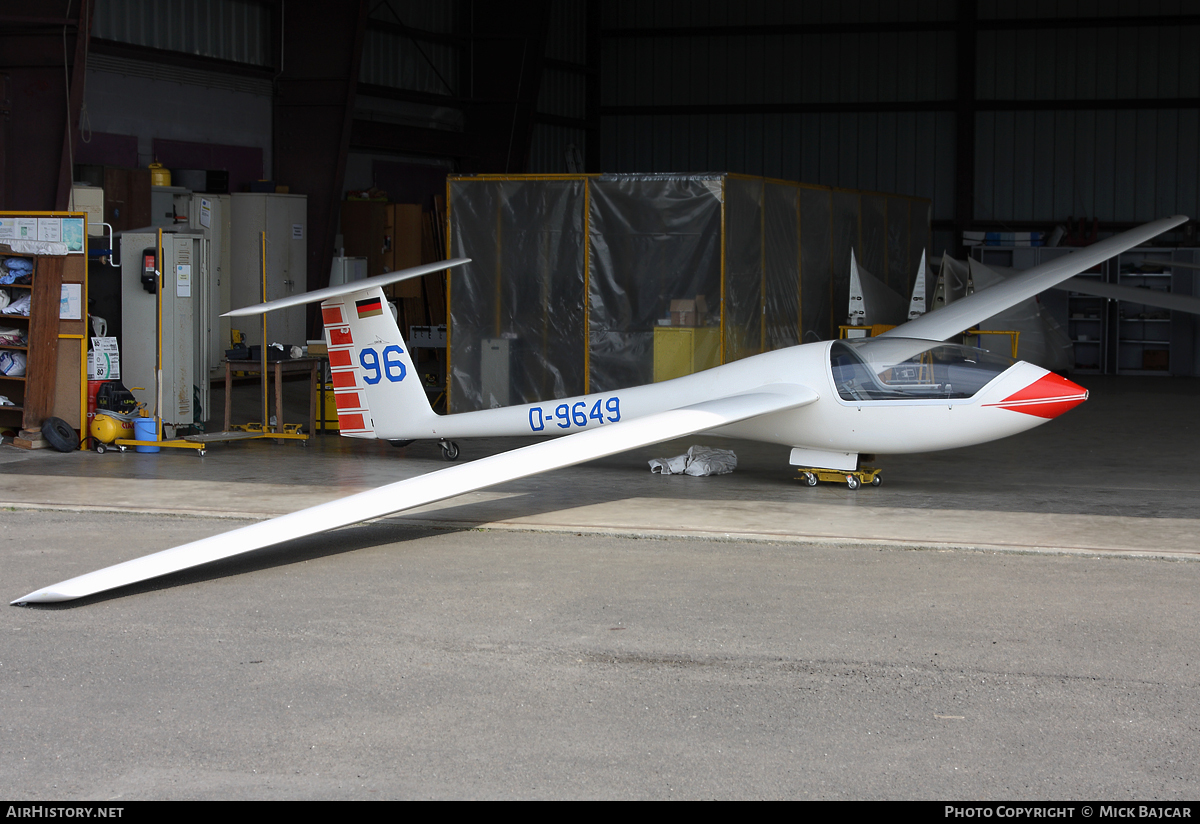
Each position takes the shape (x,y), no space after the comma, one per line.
(436,486)
(965,313)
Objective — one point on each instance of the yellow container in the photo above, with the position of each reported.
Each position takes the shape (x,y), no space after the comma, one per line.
(684,350)
(331,418)
(159,176)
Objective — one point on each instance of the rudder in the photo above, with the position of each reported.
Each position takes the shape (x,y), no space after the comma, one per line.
(376,387)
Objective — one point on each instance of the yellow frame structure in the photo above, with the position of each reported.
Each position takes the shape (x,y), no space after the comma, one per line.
(724,317)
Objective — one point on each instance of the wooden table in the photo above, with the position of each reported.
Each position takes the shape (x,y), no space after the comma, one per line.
(280,367)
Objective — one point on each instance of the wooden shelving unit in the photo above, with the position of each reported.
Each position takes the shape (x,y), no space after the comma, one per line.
(54,383)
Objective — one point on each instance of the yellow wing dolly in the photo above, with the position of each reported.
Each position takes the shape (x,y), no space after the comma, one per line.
(863,476)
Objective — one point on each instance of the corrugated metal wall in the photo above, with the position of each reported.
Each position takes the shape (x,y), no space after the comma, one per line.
(1123,164)
(739,101)
(235,30)
(873,107)
(390,58)
(563,92)
(858,93)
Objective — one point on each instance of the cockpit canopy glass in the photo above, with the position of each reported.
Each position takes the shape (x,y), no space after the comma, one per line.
(889,369)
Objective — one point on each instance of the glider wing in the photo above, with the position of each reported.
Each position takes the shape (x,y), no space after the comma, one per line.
(1130,294)
(965,313)
(435,486)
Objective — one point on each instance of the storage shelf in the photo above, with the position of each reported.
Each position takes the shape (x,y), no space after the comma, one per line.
(1118,341)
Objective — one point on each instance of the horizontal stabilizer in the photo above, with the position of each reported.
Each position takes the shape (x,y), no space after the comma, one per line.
(437,486)
(346,288)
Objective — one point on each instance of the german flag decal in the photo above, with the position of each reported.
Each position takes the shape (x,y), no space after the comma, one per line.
(369,308)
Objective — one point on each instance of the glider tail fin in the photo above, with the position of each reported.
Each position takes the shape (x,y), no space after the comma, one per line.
(376,386)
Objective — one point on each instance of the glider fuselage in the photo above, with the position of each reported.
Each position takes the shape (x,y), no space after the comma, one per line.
(834,428)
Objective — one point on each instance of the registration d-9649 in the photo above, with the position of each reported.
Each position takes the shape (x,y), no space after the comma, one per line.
(576,415)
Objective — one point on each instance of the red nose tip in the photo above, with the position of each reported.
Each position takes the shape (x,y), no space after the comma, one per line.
(1047,397)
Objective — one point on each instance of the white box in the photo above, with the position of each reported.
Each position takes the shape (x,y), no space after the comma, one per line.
(89,199)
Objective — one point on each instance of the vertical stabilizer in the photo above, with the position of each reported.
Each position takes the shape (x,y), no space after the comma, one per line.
(375,382)
(857,313)
(916,306)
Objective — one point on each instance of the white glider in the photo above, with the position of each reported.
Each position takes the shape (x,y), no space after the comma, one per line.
(830,401)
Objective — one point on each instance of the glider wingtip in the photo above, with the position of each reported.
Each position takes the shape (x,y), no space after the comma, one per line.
(48,595)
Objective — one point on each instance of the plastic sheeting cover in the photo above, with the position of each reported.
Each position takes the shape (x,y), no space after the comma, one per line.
(654,239)
(524,285)
(575,273)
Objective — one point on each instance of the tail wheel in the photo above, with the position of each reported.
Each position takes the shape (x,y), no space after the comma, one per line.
(449,450)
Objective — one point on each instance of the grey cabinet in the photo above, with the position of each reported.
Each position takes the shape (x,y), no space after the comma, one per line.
(285,220)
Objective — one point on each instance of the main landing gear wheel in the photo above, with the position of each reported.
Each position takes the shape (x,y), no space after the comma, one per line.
(852,482)
(449,450)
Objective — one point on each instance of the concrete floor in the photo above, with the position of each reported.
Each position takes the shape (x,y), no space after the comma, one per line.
(1116,475)
(603,632)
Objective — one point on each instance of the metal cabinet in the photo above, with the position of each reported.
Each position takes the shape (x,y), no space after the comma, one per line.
(284,218)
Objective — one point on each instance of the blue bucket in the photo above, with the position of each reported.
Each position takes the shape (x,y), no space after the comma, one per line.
(144,429)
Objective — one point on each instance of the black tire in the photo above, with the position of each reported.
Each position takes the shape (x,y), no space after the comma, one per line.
(450,451)
(875,481)
(852,482)
(59,434)
(101,448)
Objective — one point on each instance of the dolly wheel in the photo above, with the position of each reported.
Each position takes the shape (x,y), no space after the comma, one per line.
(852,482)
(810,479)
(450,450)
(875,481)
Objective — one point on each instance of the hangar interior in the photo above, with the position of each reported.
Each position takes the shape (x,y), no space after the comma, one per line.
(644,193)
(647,189)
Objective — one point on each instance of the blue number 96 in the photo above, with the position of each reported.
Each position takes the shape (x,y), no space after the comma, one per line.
(393,366)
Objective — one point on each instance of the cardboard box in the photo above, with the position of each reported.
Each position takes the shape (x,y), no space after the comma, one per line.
(689,312)
(1156,359)
(683,313)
